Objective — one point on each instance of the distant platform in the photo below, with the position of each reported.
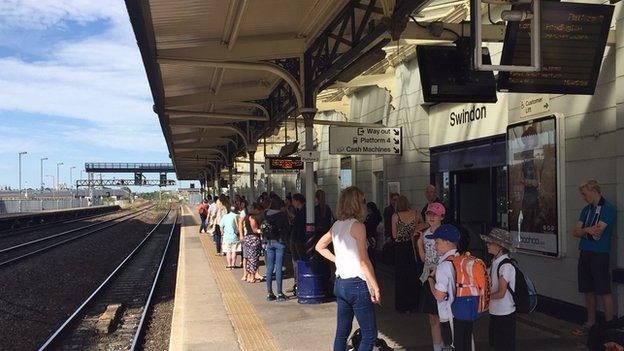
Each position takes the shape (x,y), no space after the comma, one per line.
(10,221)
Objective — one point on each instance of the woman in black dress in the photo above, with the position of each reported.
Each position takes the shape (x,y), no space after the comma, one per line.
(407,272)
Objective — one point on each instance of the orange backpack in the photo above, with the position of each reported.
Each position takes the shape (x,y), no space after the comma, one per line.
(472,287)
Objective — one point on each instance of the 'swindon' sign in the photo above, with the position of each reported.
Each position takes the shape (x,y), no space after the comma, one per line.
(365,141)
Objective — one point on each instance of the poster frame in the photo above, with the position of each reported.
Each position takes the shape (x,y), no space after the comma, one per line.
(559,181)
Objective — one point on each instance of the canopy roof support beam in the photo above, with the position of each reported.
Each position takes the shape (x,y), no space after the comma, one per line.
(254,66)
(216,115)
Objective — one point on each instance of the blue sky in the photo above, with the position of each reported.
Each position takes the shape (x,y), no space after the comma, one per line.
(73,89)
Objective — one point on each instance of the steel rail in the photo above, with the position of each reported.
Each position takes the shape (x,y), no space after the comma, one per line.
(62,242)
(141,328)
(54,337)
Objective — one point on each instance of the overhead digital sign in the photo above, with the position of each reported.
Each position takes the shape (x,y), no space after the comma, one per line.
(573,37)
(285,163)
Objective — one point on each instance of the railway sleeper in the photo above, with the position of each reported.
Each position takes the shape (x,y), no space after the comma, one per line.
(109,320)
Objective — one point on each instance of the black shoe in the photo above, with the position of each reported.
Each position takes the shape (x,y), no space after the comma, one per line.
(292,290)
(282,297)
(271,297)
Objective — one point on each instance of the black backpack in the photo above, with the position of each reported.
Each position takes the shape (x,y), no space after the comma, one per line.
(275,227)
(525,294)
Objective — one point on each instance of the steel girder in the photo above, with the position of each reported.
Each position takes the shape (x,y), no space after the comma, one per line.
(323,60)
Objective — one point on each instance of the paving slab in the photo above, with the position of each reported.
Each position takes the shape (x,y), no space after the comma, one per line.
(292,326)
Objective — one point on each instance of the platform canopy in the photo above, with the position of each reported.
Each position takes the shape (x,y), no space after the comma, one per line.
(226,73)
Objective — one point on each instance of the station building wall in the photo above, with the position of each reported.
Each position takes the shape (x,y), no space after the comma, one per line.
(593,129)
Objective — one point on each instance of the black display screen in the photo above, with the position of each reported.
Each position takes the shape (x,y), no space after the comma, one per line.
(573,39)
(446,75)
(285,163)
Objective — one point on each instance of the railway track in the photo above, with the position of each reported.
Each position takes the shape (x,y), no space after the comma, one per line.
(130,287)
(15,253)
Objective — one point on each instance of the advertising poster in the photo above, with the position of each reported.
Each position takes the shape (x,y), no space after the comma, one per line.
(532,166)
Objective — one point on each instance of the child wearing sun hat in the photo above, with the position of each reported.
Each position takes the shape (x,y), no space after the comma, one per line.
(502,279)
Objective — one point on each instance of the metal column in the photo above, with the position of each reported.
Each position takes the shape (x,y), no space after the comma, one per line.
(230,185)
(308,117)
(312,270)
(251,148)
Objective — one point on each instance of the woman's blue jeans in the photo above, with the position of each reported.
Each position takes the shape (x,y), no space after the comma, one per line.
(353,298)
(274,259)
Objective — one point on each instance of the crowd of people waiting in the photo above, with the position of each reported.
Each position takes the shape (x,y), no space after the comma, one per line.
(424,248)
(268,227)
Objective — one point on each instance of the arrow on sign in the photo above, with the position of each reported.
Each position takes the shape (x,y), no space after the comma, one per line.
(397,141)
(397,150)
(396,131)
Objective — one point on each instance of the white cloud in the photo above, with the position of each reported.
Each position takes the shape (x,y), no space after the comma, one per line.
(99,79)
(42,14)
(111,137)
(13,145)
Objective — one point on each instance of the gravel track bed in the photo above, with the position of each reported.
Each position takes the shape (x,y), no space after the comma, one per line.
(11,240)
(130,288)
(39,293)
(158,328)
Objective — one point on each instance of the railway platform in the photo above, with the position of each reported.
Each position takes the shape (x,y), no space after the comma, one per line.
(214,310)
(10,221)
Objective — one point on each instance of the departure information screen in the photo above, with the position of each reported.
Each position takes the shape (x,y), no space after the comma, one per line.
(573,42)
(285,163)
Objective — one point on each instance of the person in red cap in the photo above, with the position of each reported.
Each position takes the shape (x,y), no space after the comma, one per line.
(434,215)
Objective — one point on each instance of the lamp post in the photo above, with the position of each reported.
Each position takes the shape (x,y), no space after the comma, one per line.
(51,176)
(42,183)
(20,170)
(57,175)
(71,178)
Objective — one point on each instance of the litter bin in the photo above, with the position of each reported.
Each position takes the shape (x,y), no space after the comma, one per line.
(312,281)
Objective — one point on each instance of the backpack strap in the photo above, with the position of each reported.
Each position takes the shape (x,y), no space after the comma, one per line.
(512,262)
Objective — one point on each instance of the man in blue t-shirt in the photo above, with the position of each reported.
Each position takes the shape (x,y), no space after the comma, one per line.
(595,228)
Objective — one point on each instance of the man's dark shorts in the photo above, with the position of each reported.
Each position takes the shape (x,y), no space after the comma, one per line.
(593,273)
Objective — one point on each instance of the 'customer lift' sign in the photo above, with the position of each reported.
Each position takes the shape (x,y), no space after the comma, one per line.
(365,141)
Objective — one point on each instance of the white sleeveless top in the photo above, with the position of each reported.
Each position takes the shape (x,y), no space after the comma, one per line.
(345,248)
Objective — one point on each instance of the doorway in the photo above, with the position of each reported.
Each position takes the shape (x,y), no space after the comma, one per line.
(472,182)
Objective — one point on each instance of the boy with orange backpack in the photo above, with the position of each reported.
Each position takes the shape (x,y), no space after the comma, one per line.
(461,287)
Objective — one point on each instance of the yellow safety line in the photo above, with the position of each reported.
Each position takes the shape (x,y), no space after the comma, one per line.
(251,331)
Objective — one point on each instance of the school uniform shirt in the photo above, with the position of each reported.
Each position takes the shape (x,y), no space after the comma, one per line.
(504,306)
(445,281)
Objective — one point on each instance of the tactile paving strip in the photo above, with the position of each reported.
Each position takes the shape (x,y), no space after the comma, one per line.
(252,333)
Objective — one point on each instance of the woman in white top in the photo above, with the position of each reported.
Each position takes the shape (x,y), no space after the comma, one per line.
(356,287)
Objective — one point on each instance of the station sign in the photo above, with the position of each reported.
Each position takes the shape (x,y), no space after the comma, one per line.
(534,105)
(573,39)
(283,164)
(310,156)
(365,141)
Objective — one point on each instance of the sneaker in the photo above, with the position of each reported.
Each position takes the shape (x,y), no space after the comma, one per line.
(271,297)
(282,297)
